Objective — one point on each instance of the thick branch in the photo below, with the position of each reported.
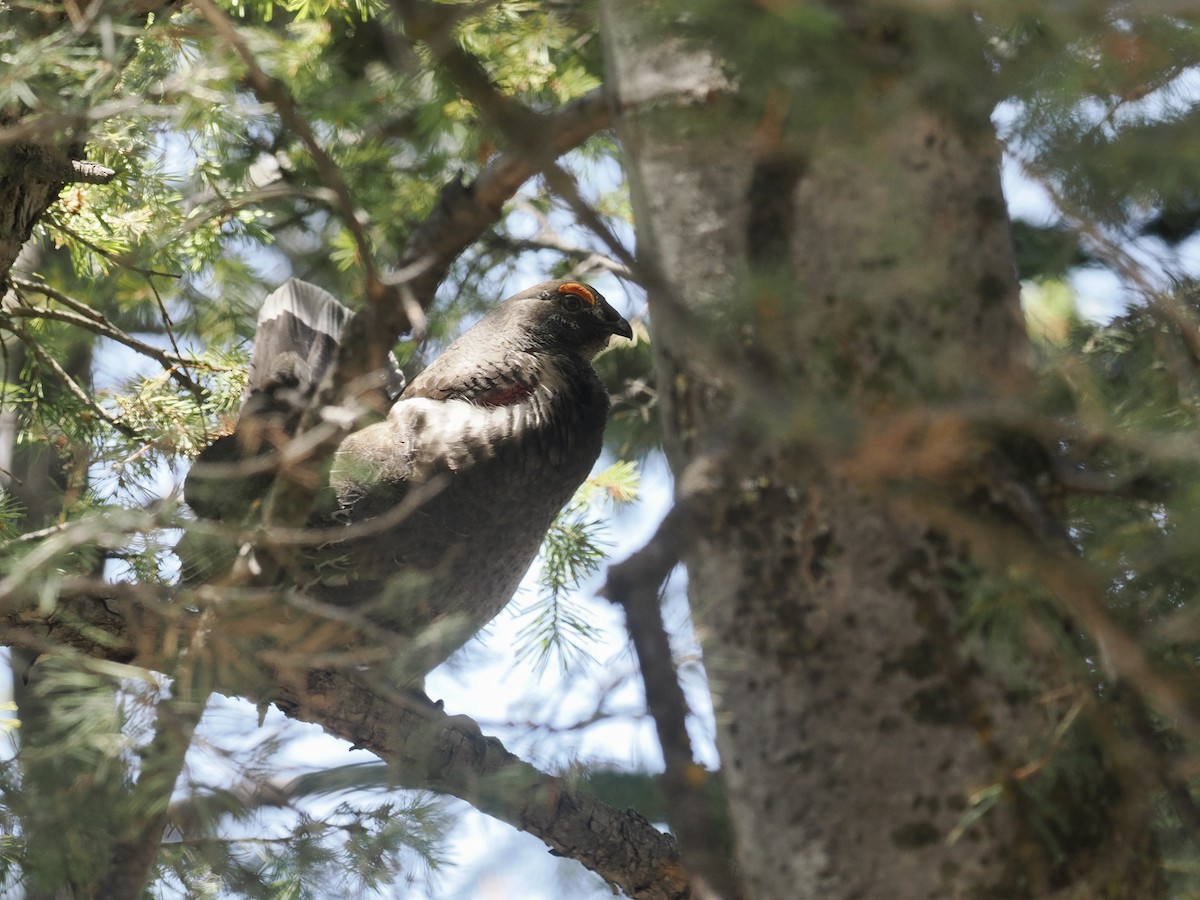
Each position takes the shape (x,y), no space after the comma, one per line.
(428,751)
(530,135)
(425,747)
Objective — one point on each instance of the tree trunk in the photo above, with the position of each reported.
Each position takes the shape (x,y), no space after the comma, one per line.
(835,311)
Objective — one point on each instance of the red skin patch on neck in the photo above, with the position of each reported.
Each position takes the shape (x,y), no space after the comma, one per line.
(506,395)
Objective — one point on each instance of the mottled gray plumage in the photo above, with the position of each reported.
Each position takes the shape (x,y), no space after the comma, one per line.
(295,339)
(447,500)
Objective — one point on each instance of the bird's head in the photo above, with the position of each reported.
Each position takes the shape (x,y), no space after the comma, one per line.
(568,315)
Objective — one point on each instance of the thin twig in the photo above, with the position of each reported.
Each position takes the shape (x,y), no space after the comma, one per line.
(589,259)
(272,90)
(101,530)
(70,384)
(107,254)
(83,316)
(168,325)
(92,173)
(217,207)
(565,185)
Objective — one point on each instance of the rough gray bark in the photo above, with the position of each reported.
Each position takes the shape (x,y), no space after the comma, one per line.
(26,197)
(835,312)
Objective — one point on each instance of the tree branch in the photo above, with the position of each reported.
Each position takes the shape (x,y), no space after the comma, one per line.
(520,126)
(58,170)
(83,316)
(49,363)
(634,586)
(588,260)
(464,212)
(425,747)
(430,751)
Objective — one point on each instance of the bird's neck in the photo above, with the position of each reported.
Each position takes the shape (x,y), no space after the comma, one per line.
(565,398)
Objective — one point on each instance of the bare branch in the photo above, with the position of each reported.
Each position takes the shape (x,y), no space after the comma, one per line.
(32,129)
(212,206)
(465,211)
(634,585)
(521,127)
(430,751)
(58,170)
(92,173)
(587,260)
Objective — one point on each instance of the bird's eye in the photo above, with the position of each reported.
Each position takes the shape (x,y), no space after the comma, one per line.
(571,303)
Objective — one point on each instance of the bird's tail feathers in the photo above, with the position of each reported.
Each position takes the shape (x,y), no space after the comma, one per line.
(295,340)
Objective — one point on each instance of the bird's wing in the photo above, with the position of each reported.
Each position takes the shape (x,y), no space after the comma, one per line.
(491,380)
(420,439)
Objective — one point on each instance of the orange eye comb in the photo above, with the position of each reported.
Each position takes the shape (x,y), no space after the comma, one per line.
(579,290)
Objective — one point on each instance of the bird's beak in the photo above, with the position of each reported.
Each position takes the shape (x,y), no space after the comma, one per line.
(613,320)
